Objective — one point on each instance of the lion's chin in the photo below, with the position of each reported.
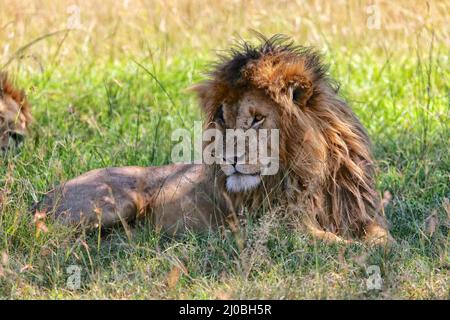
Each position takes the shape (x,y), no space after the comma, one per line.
(242,182)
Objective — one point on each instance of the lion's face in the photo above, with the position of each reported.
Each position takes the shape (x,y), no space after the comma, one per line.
(14,116)
(269,93)
(13,124)
(251,113)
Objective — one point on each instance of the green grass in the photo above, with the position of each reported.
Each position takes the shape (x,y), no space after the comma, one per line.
(110,112)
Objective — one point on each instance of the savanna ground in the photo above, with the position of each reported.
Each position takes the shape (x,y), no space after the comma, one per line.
(94,106)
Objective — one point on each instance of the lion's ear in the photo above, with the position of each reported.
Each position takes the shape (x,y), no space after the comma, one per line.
(199,89)
(301,93)
(205,92)
(202,90)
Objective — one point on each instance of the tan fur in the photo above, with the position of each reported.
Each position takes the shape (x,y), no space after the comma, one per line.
(326,178)
(15,114)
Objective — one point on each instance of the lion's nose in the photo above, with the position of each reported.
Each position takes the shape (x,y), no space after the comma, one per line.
(231,160)
(17,137)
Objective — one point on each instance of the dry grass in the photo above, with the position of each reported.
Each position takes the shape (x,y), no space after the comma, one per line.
(95,107)
(123,29)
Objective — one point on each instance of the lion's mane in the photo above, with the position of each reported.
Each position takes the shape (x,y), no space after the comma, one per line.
(324,149)
(6,88)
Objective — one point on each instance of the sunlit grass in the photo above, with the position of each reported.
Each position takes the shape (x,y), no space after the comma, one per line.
(94,106)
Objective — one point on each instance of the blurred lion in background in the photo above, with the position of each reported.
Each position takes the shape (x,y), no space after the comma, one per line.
(325,182)
(15,115)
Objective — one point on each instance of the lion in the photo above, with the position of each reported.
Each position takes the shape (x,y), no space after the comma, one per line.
(325,181)
(15,115)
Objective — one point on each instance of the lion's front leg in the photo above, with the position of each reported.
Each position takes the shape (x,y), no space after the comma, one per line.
(377,234)
(308,210)
(323,235)
(317,222)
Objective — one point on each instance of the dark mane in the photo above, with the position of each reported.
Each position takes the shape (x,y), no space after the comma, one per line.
(231,63)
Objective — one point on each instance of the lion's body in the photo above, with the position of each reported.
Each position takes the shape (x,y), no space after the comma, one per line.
(15,114)
(326,176)
(176,197)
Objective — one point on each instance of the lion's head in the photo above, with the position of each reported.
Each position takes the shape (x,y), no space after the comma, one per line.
(325,164)
(15,115)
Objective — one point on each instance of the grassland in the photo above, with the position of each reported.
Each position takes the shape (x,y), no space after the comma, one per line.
(95,107)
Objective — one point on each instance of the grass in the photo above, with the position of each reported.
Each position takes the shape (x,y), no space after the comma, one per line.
(94,106)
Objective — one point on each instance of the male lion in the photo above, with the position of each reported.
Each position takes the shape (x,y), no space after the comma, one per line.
(15,115)
(325,178)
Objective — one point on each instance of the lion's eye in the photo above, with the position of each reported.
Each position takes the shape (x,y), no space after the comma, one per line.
(297,95)
(258,119)
(219,116)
